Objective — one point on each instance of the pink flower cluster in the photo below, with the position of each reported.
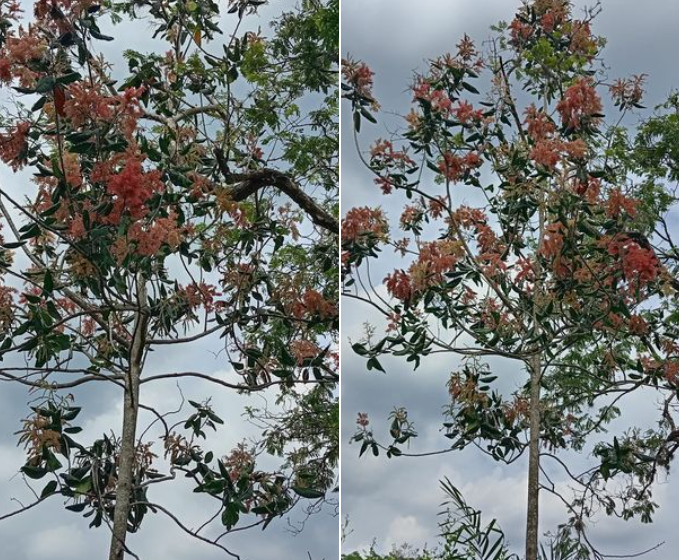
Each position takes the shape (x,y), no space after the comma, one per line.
(580,105)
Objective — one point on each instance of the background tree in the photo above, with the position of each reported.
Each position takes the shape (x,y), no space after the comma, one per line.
(554,270)
(189,195)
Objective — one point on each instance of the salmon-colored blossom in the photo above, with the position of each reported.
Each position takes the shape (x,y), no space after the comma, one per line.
(360,76)
(628,92)
(131,188)
(14,144)
(399,285)
(454,167)
(618,202)
(553,240)
(580,105)
(364,222)
(538,124)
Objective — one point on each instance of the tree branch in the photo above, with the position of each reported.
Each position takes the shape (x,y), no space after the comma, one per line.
(248,184)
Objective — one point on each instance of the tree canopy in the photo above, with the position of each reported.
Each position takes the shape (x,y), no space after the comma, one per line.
(165,196)
(562,265)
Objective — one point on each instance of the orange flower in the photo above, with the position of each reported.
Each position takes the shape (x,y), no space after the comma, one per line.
(399,285)
(362,222)
(580,105)
(13,145)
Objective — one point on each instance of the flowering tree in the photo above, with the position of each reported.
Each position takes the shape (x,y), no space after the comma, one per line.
(190,195)
(552,270)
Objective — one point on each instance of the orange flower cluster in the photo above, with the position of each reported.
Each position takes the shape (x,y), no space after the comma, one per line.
(411,215)
(131,187)
(520,32)
(638,325)
(363,222)
(149,240)
(200,294)
(580,105)
(618,203)
(553,240)
(360,76)
(466,114)
(582,42)
(303,350)
(467,57)
(383,156)
(311,304)
(538,123)
(382,151)
(628,92)
(438,99)
(435,258)
(640,265)
(671,372)
(552,16)
(239,462)
(548,149)
(13,145)
(17,54)
(465,391)
(454,167)
(490,247)
(6,307)
(399,285)
(88,103)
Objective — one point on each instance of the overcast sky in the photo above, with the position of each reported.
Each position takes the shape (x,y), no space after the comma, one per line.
(395,501)
(48,532)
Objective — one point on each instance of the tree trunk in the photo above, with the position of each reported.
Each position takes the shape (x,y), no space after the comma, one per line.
(125,485)
(532,515)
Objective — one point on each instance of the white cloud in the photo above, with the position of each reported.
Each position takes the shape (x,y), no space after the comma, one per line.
(63,542)
(405,529)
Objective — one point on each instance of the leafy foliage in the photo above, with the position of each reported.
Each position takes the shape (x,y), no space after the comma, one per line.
(178,197)
(561,266)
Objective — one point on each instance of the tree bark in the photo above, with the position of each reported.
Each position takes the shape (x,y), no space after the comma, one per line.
(532,514)
(126,458)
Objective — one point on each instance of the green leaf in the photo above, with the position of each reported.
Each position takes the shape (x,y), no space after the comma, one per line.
(100,36)
(53,464)
(14,245)
(39,104)
(373,363)
(366,114)
(69,78)
(36,473)
(45,84)
(470,87)
(48,282)
(50,487)
(230,515)
(309,493)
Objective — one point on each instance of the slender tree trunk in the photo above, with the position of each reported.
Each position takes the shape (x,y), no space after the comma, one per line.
(532,515)
(533,501)
(125,483)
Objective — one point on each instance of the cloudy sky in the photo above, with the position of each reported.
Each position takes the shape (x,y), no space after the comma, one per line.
(394,501)
(48,532)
